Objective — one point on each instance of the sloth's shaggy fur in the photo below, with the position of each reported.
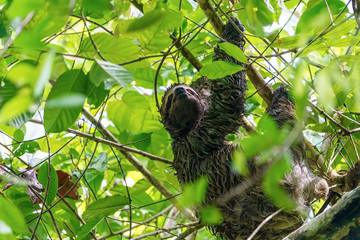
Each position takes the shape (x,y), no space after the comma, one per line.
(200,117)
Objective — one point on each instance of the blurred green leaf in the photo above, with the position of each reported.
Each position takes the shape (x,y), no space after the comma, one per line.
(255,15)
(12,217)
(21,8)
(211,215)
(194,193)
(271,183)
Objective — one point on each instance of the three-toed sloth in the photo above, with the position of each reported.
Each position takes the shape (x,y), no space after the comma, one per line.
(199,117)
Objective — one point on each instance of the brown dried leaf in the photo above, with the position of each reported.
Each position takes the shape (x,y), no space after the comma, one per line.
(65,184)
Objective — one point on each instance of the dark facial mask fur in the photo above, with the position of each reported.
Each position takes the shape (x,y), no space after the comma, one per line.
(199,117)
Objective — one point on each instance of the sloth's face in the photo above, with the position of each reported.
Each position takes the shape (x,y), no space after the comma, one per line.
(181,109)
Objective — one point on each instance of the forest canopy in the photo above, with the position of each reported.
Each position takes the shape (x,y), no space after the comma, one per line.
(82,152)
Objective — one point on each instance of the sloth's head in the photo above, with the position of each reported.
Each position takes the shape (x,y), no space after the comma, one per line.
(181,110)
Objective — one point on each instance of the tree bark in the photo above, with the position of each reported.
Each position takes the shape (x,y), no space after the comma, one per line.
(340,222)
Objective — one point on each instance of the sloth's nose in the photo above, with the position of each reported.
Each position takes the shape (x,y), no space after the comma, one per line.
(179,90)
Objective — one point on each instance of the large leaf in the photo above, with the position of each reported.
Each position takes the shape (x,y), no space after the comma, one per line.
(65,101)
(131,113)
(121,75)
(105,207)
(233,51)
(21,8)
(112,48)
(256,15)
(44,179)
(12,217)
(17,105)
(145,77)
(315,19)
(86,229)
(155,27)
(219,69)
(147,20)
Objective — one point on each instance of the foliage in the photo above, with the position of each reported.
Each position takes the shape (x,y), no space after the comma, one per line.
(62,173)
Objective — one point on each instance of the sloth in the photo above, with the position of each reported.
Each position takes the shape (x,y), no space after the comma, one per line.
(200,116)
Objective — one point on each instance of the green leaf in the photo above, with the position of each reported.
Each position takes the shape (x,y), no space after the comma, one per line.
(21,8)
(271,183)
(256,15)
(12,217)
(113,49)
(131,113)
(7,91)
(96,8)
(219,69)
(23,74)
(194,193)
(233,51)
(146,21)
(86,229)
(145,77)
(27,147)
(105,207)
(96,95)
(316,18)
(3,64)
(16,106)
(100,162)
(156,37)
(65,101)
(44,75)
(53,181)
(122,76)
(239,162)
(211,215)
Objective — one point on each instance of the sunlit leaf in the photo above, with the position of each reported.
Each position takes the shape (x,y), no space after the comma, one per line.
(316,18)
(147,20)
(62,112)
(122,76)
(105,207)
(114,49)
(233,51)
(219,69)
(86,229)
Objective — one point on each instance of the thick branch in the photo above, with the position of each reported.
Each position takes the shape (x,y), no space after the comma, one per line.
(212,15)
(264,90)
(339,222)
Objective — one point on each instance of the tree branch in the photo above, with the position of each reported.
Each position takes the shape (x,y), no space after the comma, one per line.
(341,221)
(138,165)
